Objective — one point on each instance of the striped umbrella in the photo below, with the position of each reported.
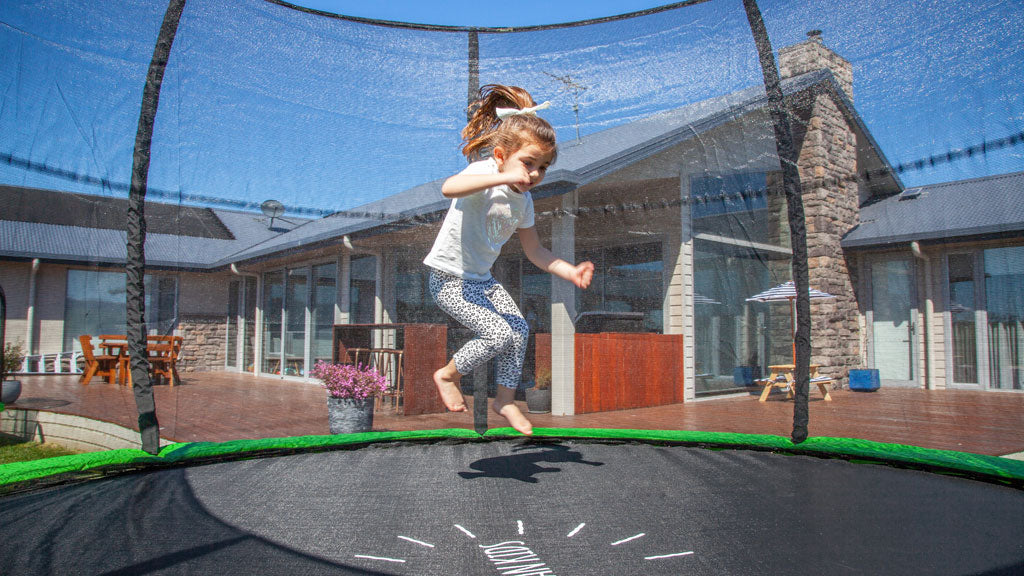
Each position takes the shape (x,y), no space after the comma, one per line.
(787,292)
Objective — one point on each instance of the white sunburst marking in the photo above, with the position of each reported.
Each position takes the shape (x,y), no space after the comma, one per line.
(464,531)
(576,530)
(521,528)
(415,541)
(630,539)
(397,560)
(668,555)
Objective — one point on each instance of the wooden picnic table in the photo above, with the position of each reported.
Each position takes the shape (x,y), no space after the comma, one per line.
(781,376)
(162,355)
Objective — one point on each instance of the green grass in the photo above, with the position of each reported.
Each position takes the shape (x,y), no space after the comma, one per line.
(14,449)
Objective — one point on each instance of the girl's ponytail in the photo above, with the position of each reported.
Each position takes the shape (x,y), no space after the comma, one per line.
(479,133)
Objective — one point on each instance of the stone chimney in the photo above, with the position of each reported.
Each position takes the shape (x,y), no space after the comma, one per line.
(811,55)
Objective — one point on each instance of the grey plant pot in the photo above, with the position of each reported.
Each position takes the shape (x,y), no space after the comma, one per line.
(538,401)
(347,415)
(12,389)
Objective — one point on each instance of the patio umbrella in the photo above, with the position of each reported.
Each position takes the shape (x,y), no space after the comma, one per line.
(701,299)
(784,292)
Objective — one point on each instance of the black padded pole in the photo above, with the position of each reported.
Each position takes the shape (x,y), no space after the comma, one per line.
(135,266)
(794,199)
(3,340)
(472,91)
(473,81)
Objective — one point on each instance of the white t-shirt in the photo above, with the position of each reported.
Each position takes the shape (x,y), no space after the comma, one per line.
(477,226)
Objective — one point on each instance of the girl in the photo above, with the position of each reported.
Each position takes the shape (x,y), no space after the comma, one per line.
(510,148)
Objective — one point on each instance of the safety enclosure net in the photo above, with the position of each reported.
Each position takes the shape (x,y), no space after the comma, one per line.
(291,163)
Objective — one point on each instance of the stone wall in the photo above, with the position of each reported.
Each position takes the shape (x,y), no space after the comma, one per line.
(827,148)
(204,343)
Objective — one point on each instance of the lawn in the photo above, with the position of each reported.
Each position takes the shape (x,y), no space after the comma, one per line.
(14,449)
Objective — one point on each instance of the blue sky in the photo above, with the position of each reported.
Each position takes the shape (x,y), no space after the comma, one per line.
(261,101)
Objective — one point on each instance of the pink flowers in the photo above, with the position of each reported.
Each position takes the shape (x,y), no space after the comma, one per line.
(354,381)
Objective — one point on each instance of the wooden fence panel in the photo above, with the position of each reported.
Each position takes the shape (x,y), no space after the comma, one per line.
(616,371)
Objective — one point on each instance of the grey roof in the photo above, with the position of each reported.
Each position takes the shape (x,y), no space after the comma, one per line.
(579,162)
(963,209)
(86,242)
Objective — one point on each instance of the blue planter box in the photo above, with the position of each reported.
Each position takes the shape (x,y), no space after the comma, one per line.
(865,380)
(743,375)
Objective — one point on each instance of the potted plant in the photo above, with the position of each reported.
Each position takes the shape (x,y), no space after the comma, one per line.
(14,357)
(538,398)
(351,389)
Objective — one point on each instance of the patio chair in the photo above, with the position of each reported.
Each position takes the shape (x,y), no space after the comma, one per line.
(163,357)
(388,363)
(103,365)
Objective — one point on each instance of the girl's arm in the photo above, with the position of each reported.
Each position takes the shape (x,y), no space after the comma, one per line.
(461,185)
(580,274)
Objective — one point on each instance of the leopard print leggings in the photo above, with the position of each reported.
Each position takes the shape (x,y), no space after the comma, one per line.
(487,309)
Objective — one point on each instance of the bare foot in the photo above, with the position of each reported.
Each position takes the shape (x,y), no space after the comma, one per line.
(448,387)
(505,406)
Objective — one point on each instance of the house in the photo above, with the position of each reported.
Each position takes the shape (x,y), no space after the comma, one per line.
(683,213)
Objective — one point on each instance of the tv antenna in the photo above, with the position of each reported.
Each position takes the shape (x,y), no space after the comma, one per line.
(570,85)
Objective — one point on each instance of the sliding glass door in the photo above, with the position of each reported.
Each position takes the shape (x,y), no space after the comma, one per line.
(298,316)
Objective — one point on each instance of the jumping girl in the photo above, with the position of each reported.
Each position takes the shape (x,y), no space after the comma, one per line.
(510,149)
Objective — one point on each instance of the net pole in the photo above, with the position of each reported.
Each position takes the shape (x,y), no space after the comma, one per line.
(472,92)
(3,342)
(794,200)
(135,265)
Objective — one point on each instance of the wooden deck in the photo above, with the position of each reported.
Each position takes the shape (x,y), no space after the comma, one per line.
(220,406)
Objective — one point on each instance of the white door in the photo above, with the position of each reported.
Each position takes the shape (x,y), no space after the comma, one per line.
(893,310)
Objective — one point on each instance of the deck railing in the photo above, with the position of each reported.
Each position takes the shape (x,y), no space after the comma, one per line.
(55,363)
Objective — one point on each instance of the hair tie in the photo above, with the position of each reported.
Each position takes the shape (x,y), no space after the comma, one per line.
(503,113)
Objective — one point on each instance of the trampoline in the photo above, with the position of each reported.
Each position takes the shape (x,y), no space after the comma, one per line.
(564,502)
(685,156)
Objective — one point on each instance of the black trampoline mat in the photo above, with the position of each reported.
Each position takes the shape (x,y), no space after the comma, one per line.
(519,507)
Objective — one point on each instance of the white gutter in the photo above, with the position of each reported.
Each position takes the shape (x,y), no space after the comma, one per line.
(929,309)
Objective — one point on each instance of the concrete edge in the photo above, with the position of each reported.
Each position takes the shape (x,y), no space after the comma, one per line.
(69,431)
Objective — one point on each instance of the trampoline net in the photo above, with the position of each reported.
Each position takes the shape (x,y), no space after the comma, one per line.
(668,179)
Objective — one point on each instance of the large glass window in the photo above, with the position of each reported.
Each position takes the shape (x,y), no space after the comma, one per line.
(1004,298)
(363,290)
(322,301)
(273,313)
(234,308)
(961,311)
(298,317)
(413,302)
(296,293)
(626,279)
(740,248)
(95,304)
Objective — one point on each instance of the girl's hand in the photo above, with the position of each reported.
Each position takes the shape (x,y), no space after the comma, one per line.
(518,176)
(582,274)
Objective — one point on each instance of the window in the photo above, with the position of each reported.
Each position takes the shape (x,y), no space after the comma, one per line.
(322,301)
(961,311)
(1004,305)
(626,279)
(740,248)
(363,290)
(96,301)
